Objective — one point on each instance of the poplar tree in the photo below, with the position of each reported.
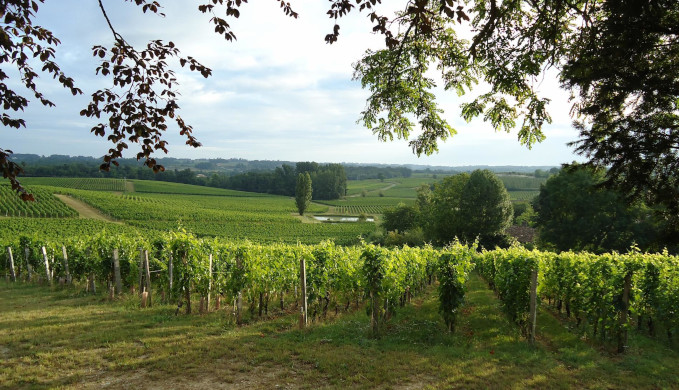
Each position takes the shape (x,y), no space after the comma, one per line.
(303,192)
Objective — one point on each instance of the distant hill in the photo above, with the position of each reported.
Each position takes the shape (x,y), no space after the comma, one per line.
(238,165)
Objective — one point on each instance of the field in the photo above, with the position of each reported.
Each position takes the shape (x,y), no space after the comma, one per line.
(525,196)
(46,205)
(395,190)
(521,183)
(159,187)
(152,206)
(155,207)
(367,205)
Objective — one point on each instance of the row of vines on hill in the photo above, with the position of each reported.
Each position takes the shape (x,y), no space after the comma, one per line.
(361,209)
(336,276)
(80,183)
(46,205)
(604,295)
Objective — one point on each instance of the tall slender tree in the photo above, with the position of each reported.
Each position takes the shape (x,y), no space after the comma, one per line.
(303,192)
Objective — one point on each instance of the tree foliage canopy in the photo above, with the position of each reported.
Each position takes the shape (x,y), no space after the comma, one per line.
(485,208)
(576,213)
(463,206)
(619,59)
(399,218)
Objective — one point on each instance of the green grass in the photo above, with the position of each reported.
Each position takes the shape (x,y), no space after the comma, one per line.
(68,339)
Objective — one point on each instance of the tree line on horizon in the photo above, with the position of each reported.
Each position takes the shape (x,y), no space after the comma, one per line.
(330,180)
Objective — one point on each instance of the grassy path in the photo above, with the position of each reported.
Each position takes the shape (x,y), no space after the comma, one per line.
(85,210)
(67,339)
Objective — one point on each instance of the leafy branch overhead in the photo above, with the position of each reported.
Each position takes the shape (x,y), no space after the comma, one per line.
(140,104)
(618,59)
(21,42)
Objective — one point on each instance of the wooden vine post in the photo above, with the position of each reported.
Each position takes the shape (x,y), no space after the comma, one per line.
(144,299)
(147,272)
(622,326)
(28,263)
(302,282)
(170,271)
(69,279)
(141,270)
(239,298)
(91,279)
(373,313)
(12,272)
(209,285)
(116,272)
(532,319)
(47,265)
(52,267)
(187,288)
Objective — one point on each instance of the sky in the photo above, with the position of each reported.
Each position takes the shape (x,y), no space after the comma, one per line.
(279,92)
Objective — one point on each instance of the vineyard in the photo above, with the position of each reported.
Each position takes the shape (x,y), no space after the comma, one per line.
(360,209)
(46,205)
(55,229)
(374,317)
(183,266)
(521,183)
(524,196)
(162,187)
(520,188)
(79,183)
(262,218)
(398,187)
(604,295)
(368,205)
